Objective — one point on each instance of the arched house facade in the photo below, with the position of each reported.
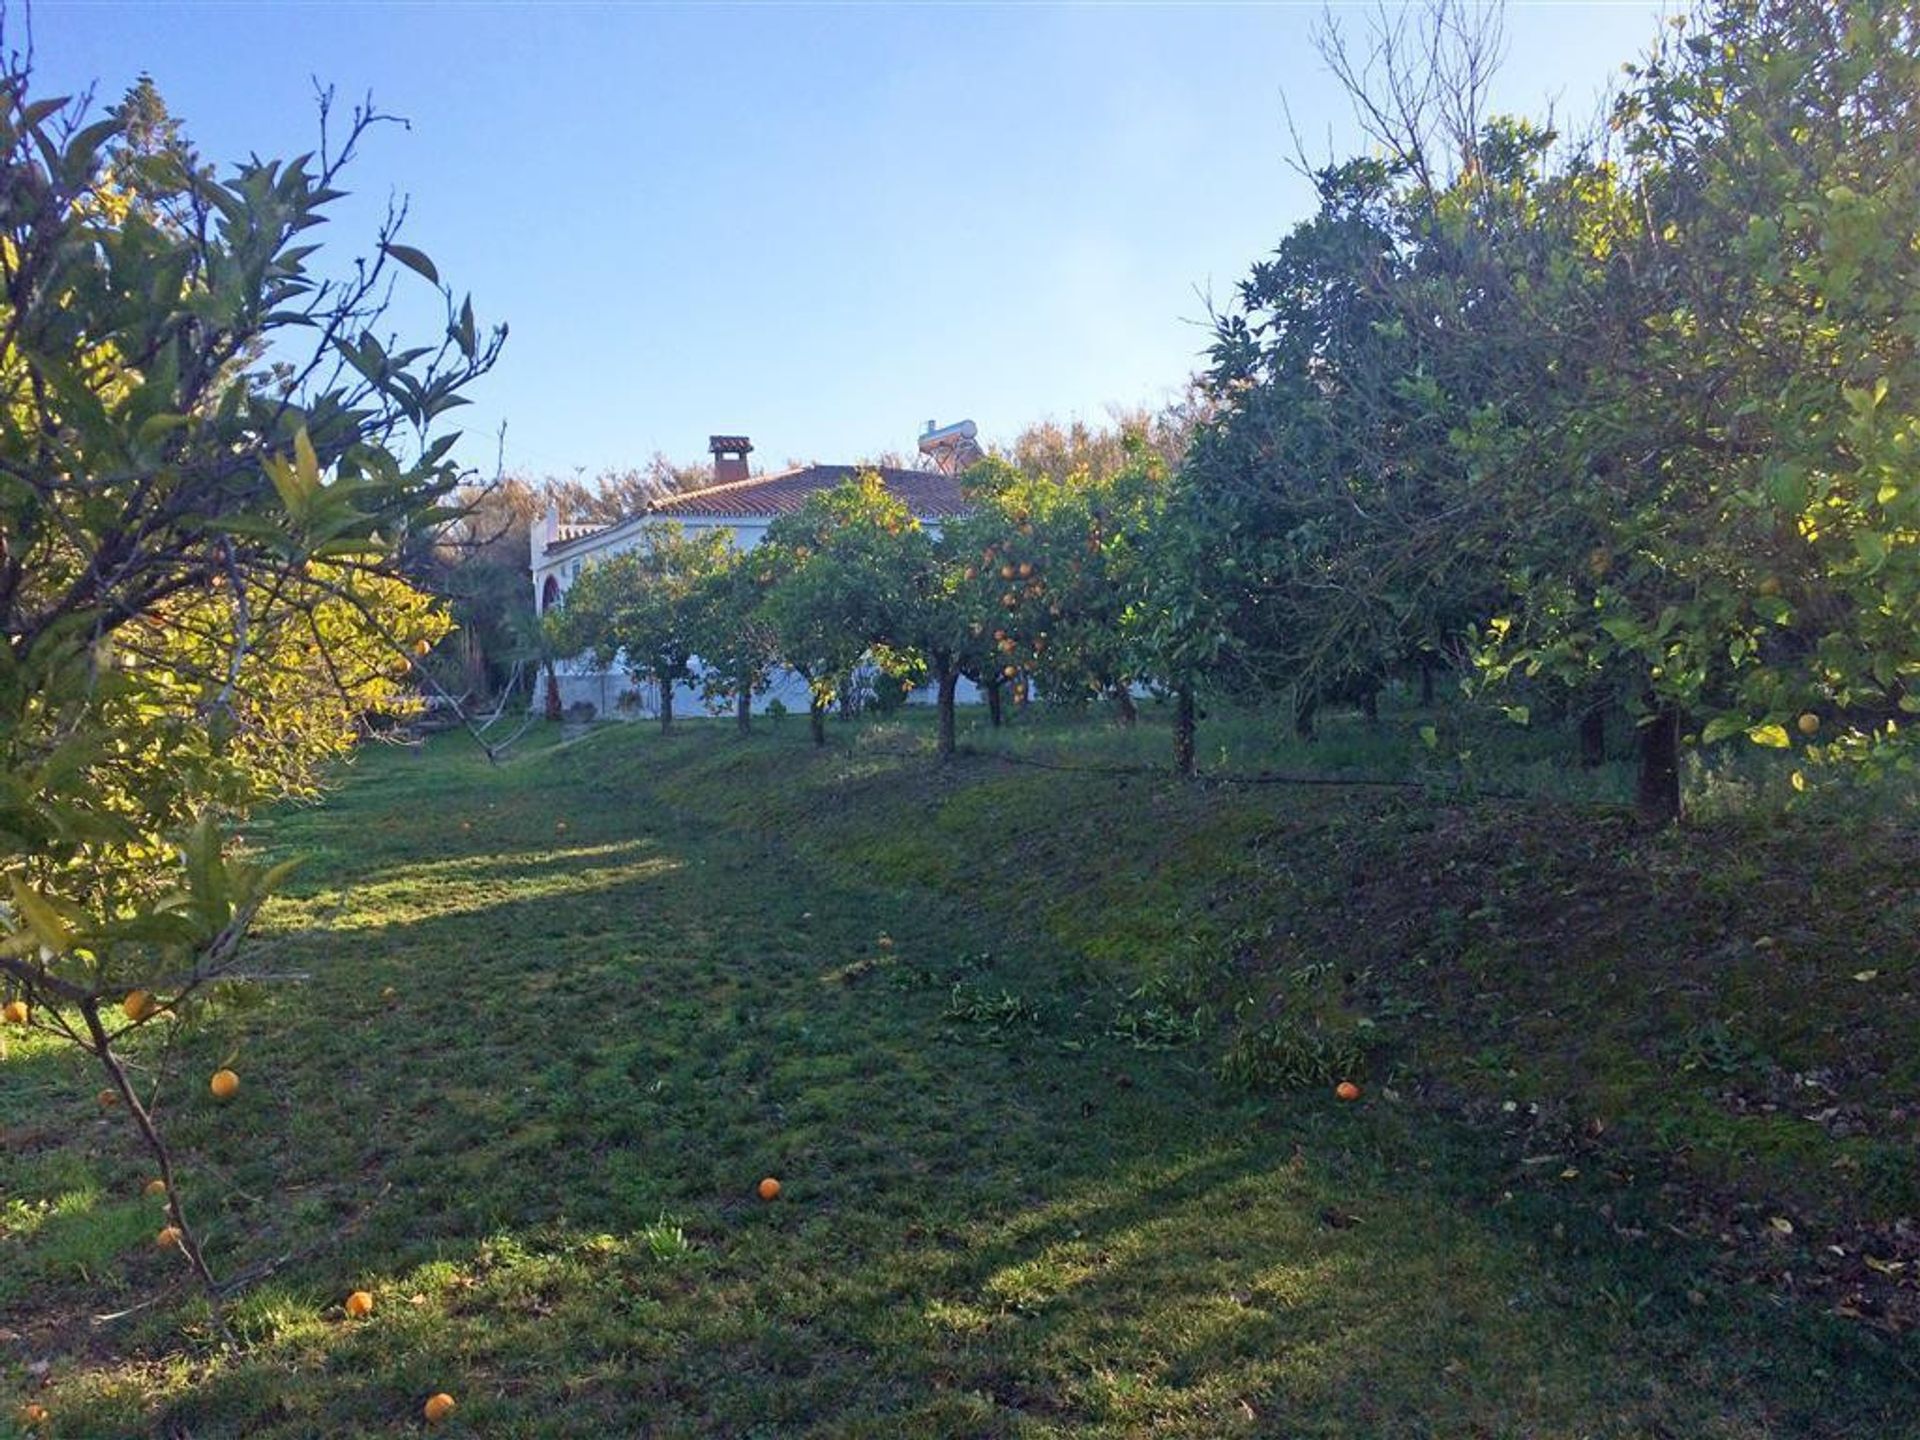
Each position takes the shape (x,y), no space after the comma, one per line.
(744,506)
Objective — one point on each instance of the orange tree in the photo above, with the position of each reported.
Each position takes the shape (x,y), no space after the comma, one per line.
(1056,565)
(206,460)
(643,607)
(841,580)
(1744,441)
(737,646)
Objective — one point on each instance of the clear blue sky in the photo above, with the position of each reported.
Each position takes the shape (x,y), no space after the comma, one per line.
(816,225)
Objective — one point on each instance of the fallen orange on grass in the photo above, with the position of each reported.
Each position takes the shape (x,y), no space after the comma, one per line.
(108,1099)
(16,1012)
(138,1005)
(769,1188)
(1347,1090)
(224,1084)
(155,1186)
(437,1408)
(33,1414)
(168,1238)
(359,1304)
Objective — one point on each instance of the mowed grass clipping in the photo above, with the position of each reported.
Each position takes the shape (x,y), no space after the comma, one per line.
(560,1017)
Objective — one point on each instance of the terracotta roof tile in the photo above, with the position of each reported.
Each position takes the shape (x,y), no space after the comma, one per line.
(928,494)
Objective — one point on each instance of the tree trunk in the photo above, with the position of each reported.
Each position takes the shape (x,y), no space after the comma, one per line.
(1657,797)
(1123,702)
(743,709)
(1183,727)
(1306,705)
(1426,682)
(817,720)
(1593,735)
(554,710)
(666,707)
(949,679)
(994,716)
(1370,705)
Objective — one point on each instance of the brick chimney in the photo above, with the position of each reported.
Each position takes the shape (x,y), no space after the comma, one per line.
(729,457)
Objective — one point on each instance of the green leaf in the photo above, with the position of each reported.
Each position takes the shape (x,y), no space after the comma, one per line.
(414,260)
(1872,548)
(1722,727)
(45,924)
(1774,737)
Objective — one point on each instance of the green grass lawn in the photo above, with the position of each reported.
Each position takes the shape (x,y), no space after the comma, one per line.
(1059,1153)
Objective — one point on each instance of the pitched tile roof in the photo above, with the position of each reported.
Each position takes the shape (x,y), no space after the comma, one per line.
(927,493)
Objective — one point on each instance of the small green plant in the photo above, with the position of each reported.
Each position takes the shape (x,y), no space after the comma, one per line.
(666,1241)
(1293,1052)
(995,1015)
(1711,1047)
(1159,1015)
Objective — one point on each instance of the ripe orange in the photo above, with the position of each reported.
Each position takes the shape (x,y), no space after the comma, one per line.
(1008,671)
(224,1084)
(16,1012)
(421,647)
(138,1005)
(769,1189)
(108,1099)
(1026,569)
(359,1304)
(1006,572)
(885,941)
(155,1186)
(168,1237)
(437,1408)
(1347,1090)
(388,993)
(1809,724)
(33,1413)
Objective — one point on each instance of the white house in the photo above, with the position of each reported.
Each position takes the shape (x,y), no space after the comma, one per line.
(743,505)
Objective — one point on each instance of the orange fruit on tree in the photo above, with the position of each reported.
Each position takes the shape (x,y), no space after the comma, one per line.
(1347,1090)
(437,1408)
(138,1005)
(769,1188)
(1809,723)
(168,1238)
(421,647)
(16,1012)
(359,1304)
(224,1084)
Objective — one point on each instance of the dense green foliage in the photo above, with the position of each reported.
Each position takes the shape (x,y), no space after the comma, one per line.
(206,460)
